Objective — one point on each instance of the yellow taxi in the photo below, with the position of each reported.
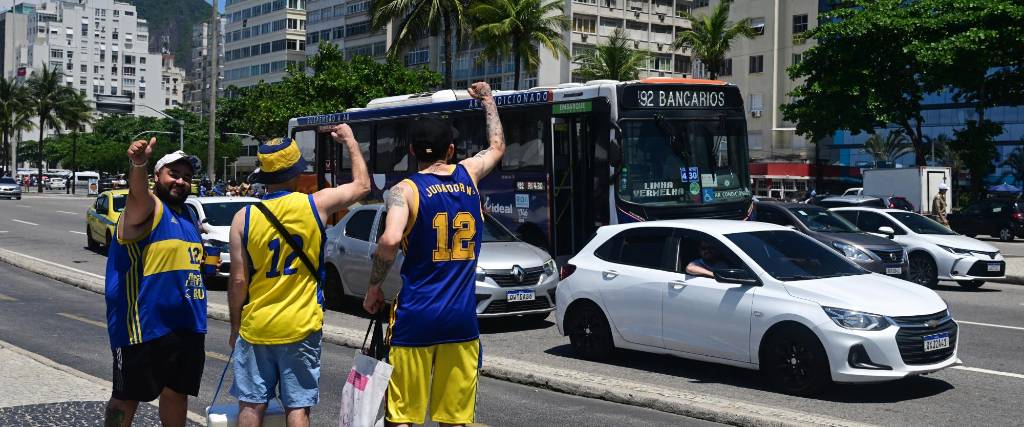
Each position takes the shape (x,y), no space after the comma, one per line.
(102,218)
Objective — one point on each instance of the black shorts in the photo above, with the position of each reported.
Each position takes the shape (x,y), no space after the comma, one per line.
(175,361)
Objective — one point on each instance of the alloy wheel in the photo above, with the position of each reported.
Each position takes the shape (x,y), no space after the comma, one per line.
(922,271)
(1005,234)
(793,364)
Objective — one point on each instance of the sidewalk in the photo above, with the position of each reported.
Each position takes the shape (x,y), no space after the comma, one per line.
(36,391)
(1014,271)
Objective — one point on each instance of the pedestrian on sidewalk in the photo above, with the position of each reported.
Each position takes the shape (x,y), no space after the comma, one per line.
(939,205)
(156,300)
(276,336)
(436,213)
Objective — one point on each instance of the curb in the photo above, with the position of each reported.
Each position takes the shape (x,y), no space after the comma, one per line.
(680,402)
(1010,280)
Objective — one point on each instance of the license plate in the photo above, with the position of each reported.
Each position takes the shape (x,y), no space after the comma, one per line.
(993,267)
(936,342)
(894,270)
(521,295)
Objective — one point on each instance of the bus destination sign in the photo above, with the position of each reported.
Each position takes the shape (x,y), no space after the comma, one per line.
(662,97)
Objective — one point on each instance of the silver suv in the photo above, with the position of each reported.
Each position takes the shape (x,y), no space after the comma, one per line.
(512,277)
(9,188)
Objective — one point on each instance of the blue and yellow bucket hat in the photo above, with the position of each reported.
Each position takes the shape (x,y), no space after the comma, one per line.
(280,160)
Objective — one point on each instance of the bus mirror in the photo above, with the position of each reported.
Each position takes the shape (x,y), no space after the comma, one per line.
(615,151)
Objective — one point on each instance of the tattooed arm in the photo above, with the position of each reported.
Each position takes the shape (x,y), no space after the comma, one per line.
(485,161)
(387,246)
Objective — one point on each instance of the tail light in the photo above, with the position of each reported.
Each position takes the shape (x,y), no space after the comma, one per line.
(566,271)
(1017,216)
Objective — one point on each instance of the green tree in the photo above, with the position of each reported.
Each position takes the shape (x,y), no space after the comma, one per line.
(50,102)
(889,148)
(1015,161)
(76,115)
(519,27)
(416,18)
(711,36)
(614,60)
(15,116)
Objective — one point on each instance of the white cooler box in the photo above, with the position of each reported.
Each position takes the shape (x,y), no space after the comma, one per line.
(226,415)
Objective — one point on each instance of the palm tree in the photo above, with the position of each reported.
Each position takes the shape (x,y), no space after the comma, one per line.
(888,149)
(15,116)
(614,60)
(519,27)
(49,102)
(75,114)
(712,35)
(416,18)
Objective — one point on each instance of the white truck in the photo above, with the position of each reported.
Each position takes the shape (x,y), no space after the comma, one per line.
(919,185)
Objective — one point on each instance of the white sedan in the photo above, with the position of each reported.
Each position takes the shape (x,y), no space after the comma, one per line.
(935,252)
(779,302)
(215,214)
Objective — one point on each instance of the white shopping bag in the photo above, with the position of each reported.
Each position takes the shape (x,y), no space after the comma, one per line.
(363,396)
(226,414)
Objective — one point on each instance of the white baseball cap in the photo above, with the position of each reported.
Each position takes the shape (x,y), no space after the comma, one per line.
(943,186)
(177,156)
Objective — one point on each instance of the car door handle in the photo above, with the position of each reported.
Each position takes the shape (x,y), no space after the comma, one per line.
(609,274)
(677,284)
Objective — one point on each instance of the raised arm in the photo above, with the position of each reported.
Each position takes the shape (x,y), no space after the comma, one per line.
(484,162)
(331,200)
(399,207)
(238,280)
(137,217)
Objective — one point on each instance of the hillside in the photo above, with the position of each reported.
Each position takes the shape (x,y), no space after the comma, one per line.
(173,18)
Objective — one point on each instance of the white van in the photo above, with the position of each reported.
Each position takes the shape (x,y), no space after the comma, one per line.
(82,178)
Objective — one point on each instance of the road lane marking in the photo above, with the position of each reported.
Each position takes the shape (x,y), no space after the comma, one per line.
(83,320)
(23,206)
(23,222)
(1018,328)
(4,231)
(218,356)
(55,264)
(7,298)
(989,371)
(69,213)
(76,232)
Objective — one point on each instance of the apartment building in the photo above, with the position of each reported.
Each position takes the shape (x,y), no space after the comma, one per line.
(345,24)
(198,79)
(261,38)
(172,81)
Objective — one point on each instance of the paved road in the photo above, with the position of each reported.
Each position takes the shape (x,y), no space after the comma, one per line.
(66,324)
(951,397)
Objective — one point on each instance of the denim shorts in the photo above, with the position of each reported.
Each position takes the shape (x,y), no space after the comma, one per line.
(259,371)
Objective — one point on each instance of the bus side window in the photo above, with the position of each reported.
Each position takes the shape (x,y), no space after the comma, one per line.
(392,148)
(362,134)
(524,143)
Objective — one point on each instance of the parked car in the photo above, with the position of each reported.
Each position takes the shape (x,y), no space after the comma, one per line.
(101,219)
(107,183)
(215,215)
(10,188)
(855,191)
(779,301)
(512,278)
(1000,218)
(56,183)
(845,201)
(874,253)
(897,202)
(935,252)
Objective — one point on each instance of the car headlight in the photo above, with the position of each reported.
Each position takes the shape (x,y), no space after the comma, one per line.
(481,274)
(856,320)
(953,250)
(550,268)
(851,251)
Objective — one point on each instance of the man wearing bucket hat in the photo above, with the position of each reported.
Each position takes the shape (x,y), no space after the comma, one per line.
(156,300)
(274,297)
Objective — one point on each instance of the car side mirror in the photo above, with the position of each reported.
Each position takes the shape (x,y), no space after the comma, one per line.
(736,276)
(888,231)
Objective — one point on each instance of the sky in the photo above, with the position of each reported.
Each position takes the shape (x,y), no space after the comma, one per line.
(220,4)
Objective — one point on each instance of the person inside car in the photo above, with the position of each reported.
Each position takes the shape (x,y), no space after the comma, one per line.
(704,265)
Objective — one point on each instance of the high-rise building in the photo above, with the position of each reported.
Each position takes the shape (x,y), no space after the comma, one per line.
(172,81)
(197,88)
(100,47)
(261,38)
(346,24)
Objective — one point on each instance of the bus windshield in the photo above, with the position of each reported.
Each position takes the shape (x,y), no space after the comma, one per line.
(669,162)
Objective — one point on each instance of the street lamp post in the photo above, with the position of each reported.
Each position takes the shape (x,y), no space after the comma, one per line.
(181,125)
(224,169)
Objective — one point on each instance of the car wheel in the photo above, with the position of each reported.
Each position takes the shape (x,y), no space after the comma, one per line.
(334,293)
(970,284)
(922,270)
(89,242)
(1005,234)
(795,362)
(589,333)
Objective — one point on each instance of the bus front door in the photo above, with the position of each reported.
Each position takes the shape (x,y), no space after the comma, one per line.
(570,168)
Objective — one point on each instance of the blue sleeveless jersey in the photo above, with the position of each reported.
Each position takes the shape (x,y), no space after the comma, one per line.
(437,303)
(154,285)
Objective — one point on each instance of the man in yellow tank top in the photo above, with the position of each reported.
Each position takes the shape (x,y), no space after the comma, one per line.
(275,300)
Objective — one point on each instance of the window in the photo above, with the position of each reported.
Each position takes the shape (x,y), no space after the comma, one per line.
(418,56)
(586,1)
(797,58)
(799,23)
(640,247)
(524,138)
(293,24)
(392,148)
(357,29)
(871,222)
(758,25)
(611,23)
(358,7)
(85,30)
(636,25)
(726,67)
(771,215)
(714,255)
(701,3)
(339,32)
(362,133)
(756,102)
(790,256)
(584,24)
(757,64)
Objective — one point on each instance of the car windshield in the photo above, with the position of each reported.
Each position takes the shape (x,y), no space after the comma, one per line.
(495,232)
(220,214)
(920,224)
(788,256)
(7,181)
(818,219)
(675,162)
(119,202)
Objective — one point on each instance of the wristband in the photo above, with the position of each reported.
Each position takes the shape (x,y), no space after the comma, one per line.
(144,164)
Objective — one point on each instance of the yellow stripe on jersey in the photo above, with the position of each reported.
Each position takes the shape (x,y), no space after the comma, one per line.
(132,293)
(171,255)
(158,213)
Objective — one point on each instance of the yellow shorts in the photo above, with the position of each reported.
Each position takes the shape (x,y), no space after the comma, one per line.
(452,393)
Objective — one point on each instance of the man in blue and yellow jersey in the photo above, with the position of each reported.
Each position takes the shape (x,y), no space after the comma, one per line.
(275,300)
(435,215)
(156,301)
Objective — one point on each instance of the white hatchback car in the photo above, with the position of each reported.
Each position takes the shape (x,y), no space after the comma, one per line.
(935,252)
(780,302)
(216,213)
